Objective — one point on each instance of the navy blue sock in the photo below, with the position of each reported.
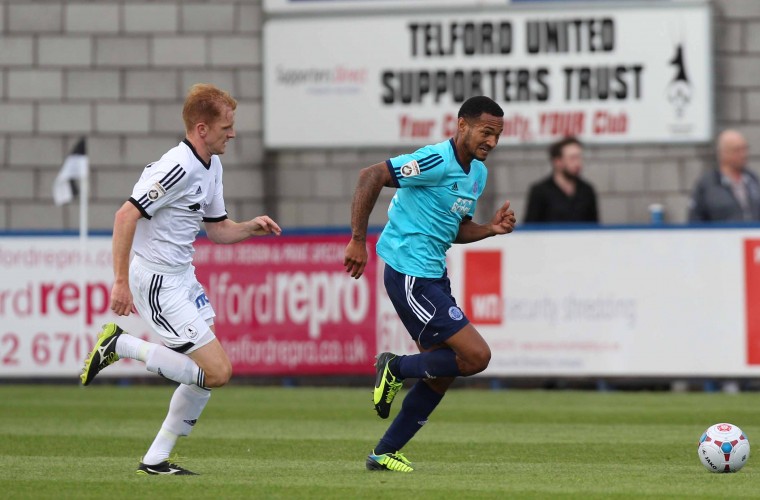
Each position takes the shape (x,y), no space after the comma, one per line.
(418,404)
(438,363)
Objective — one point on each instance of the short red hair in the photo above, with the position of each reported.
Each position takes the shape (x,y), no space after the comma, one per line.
(204,104)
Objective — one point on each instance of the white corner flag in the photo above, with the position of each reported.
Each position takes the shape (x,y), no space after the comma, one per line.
(73,180)
(75,168)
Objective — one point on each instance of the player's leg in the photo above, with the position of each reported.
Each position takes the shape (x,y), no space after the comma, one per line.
(463,353)
(114,343)
(170,305)
(431,316)
(419,403)
(471,355)
(417,406)
(189,401)
(213,361)
(472,352)
(162,301)
(186,406)
(450,346)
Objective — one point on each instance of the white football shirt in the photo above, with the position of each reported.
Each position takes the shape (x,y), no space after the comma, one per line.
(174,194)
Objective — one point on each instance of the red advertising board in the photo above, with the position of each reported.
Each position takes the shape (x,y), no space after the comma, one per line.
(752,283)
(482,286)
(286,306)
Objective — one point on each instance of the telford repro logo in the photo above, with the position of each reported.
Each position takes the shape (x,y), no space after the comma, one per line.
(483,302)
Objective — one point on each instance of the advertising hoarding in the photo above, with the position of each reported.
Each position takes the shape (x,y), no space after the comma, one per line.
(607,74)
(638,302)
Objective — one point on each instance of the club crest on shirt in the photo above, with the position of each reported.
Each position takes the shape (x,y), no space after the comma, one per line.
(191,331)
(156,191)
(455,313)
(410,169)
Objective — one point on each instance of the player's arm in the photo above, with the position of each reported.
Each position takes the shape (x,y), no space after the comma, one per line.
(371,182)
(124,226)
(228,231)
(503,222)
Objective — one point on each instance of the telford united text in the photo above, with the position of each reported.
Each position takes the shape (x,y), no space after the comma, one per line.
(439,41)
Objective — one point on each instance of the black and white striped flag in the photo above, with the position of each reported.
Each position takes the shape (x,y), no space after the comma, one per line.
(74,168)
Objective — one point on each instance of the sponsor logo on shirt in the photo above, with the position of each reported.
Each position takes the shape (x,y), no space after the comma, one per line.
(201,300)
(462,207)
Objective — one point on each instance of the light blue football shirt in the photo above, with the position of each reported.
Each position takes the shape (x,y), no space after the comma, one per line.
(436,192)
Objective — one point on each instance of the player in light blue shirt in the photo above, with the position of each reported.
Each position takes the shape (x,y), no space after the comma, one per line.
(439,186)
(424,220)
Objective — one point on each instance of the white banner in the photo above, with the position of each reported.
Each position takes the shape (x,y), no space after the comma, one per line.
(39,307)
(605,74)
(615,303)
(316,6)
(640,302)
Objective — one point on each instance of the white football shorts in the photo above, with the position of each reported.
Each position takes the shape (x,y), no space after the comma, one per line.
(173,303)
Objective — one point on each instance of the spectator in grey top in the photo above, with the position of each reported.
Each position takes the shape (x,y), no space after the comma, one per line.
(730,193)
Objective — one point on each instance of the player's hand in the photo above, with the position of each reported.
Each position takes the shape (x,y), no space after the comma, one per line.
(504,220)
(121,299)
(355,258)
(263,224)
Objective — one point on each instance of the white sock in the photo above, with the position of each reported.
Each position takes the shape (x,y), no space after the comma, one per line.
(185,408)
(174,366)
(161,448)
(128,346)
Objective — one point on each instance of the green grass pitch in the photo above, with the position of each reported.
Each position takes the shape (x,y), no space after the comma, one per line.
(272,442)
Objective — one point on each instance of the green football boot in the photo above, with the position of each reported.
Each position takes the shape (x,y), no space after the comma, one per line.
(103,354)
(386,384)
(395,462)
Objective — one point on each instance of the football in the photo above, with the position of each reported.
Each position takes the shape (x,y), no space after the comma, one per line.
(723,448)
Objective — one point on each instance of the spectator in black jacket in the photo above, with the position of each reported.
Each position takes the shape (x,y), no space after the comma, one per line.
(563,196)
(730,193)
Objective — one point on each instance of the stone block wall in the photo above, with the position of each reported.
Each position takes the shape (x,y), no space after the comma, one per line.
(117,71)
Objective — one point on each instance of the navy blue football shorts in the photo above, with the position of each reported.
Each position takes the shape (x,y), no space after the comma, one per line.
(425,305)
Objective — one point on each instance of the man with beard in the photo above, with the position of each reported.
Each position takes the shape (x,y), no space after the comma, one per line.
(563,196)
